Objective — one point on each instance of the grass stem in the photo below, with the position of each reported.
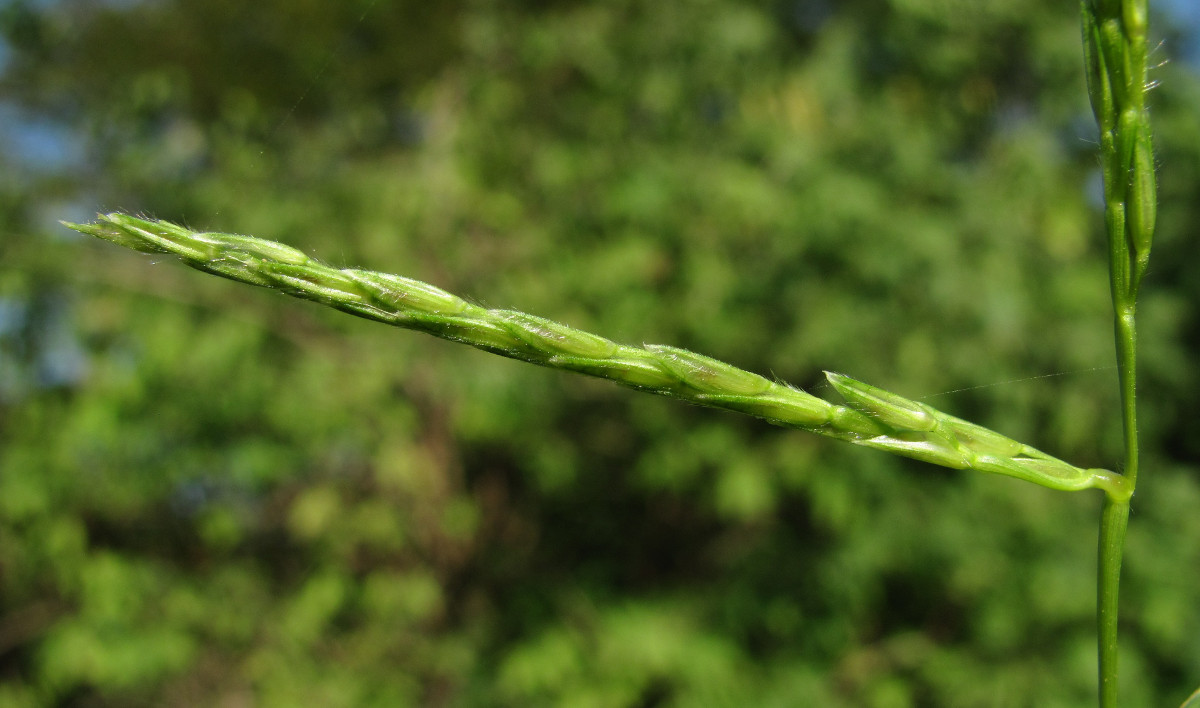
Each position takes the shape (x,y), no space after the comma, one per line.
(1114,48)
(1113,522)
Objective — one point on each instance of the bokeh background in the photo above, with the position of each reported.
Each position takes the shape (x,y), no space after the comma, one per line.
(212,495)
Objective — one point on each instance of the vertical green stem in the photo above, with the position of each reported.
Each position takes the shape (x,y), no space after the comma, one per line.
(1126,336)
(1114,48)
(1115,517)
(1113,521)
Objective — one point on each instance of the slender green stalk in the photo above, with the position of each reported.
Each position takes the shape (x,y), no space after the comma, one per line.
(874,418)
(1113,521)
(1114,41)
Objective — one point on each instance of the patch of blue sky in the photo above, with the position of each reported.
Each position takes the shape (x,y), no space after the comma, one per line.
(37,144)
(1185,16)
(38,354)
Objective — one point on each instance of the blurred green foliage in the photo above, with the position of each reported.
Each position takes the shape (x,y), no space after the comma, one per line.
(211,495)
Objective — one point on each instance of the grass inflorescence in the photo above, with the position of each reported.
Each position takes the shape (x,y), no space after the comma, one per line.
(873,417)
